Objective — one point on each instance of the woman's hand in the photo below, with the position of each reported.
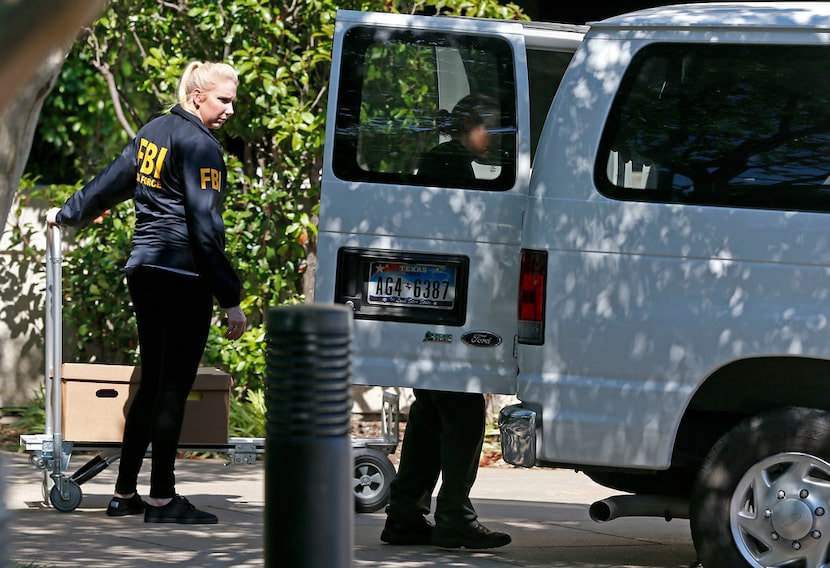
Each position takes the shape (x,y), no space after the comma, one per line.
(52,217)
(236,322)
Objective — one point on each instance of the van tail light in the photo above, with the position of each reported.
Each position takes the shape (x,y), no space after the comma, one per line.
(532,280)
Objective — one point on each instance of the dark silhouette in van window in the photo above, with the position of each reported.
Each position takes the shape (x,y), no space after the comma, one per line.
(469,127)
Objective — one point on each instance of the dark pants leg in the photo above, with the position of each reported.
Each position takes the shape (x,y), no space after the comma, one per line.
(173,313)
(420,463)
(444,434)
(462,436)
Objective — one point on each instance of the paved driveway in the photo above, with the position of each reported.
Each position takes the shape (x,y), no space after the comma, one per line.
(545,511)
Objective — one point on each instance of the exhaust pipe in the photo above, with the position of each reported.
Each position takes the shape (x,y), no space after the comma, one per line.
(639,506)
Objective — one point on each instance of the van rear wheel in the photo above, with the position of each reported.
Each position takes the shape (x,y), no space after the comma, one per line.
(762,498)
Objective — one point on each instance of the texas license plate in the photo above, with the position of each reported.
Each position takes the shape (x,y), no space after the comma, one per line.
(418,285)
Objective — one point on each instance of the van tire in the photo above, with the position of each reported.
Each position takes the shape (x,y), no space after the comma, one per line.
(763,487)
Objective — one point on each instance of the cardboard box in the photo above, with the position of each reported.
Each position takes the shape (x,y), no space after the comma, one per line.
(95,399)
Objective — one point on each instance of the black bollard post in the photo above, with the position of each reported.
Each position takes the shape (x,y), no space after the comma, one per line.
(309,502)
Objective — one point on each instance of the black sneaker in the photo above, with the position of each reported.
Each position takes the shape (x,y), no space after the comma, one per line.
(120,507)
(179,510)
(472,536)
(416,532)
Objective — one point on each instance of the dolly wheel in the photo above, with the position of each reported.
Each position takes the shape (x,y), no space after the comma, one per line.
(73,496)
(373,472)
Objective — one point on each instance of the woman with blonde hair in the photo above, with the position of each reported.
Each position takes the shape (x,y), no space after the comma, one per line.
(174,171)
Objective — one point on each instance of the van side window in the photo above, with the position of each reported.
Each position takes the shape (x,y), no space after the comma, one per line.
(725,125)
(397,90)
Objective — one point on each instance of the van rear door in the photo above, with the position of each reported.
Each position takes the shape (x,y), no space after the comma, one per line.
(430,264)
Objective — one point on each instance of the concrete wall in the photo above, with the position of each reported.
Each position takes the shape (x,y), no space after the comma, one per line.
(22,293)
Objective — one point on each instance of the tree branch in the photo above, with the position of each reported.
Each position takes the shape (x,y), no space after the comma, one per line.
(104,69)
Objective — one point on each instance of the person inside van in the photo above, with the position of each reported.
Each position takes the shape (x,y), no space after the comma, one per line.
(468,127)
(445,430)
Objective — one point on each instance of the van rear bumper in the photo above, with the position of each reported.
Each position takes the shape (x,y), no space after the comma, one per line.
(517,426)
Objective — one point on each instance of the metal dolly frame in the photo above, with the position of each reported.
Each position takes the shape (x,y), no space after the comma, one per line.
(372,473)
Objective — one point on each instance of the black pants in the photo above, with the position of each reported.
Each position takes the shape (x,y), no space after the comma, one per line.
(444,434)
(173,313)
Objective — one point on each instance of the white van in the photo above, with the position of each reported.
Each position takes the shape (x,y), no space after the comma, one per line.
(430,267)
(657,294)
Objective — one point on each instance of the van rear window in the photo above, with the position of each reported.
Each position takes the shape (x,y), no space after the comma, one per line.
(723,125)
(398,89)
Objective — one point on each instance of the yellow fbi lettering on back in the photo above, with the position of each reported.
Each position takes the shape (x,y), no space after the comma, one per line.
(150,159)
